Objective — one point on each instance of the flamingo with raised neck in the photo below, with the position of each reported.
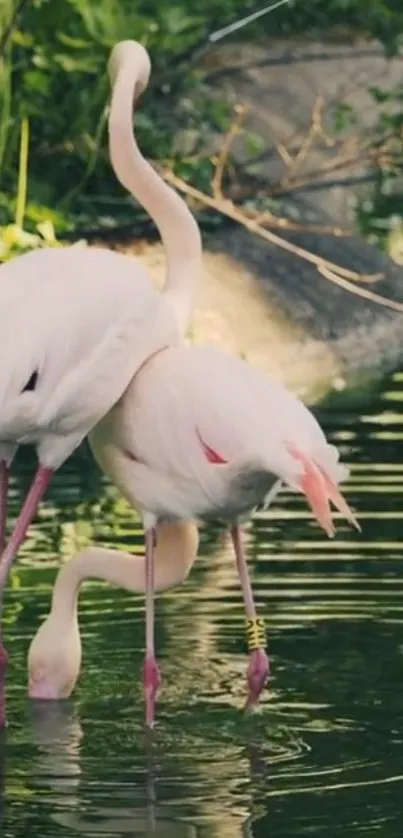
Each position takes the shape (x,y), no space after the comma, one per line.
(79,321)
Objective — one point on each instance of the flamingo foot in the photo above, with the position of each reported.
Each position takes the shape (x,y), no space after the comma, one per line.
(152,683)
(3,669)
(257,675)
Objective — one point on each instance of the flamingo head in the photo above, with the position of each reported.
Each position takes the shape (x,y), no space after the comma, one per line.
(54,659)
(130,54)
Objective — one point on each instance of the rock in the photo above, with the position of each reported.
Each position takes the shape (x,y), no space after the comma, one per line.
(275,310)
(279,83)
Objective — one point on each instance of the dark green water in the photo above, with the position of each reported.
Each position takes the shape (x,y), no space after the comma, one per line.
(325,754)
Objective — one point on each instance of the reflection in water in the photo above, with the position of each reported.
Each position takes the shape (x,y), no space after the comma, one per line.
(57,732)
(125,802)
(324,753)
(3,745)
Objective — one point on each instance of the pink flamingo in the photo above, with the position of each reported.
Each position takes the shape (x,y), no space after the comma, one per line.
(54,656)
(197,435)
(78,322)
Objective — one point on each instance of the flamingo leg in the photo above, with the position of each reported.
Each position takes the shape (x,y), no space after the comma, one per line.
(152,676)
(3,521)
(4,475)
(38,488)
(36,492)
(258,668)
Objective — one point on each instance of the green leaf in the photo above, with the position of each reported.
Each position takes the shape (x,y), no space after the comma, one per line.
(344,117)
(255,144)
(75,43)
(379,94)
(73,64)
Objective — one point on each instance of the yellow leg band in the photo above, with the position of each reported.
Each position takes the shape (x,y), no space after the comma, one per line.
(255,634)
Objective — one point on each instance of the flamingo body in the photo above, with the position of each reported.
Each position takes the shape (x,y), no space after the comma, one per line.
(70,321)
(77,325)
(201,434)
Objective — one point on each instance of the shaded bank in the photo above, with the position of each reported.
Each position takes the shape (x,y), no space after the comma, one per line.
(276,310)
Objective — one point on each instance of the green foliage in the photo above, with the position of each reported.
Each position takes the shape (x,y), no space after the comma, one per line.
(14,239)
(380,213)
(54,75)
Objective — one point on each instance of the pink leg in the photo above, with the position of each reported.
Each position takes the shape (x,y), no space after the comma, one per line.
(152,677)
(258,669)
(3,669)
(4,474)
(38,488)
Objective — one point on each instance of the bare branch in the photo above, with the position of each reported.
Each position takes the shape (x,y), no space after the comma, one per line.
(314,130)
(234,130)
(342,277)
(285,155)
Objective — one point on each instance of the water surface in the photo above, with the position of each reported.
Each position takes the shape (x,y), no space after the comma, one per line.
(324,755)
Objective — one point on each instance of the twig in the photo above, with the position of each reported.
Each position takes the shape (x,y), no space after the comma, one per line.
(285,155)
(349,152)
(349,159)
(228,208)
(307,143)
(316,129)
(334,273)
(268,218)
(234,130)
(360,292)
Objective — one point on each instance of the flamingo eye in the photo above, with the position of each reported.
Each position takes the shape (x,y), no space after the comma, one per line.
(31,383)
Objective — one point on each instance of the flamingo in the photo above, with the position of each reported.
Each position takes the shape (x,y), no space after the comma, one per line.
(77,322)
(54,656)
(199,434)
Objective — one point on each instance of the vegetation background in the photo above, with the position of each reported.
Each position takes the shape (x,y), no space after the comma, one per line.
(53,82)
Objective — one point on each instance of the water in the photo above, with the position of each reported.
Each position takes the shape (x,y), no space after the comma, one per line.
(323,757)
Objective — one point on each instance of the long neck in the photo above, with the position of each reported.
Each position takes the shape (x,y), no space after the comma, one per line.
(175,554)
(178,229)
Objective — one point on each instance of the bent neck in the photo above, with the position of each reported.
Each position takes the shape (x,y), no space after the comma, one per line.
(176,551)
(120,569)
(178,229)
(92,563)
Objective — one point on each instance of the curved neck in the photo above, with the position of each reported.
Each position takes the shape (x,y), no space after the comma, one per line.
(175,554)
(178,229)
